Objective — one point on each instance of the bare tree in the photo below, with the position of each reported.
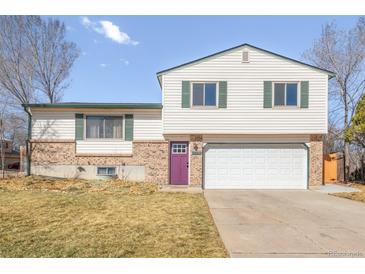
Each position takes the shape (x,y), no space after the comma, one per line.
(16,71)
(343,52)
(35,62)
(35,58)
(333,140)
(53,56)
(3,111)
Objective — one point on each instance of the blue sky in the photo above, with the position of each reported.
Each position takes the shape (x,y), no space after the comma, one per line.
(120,55)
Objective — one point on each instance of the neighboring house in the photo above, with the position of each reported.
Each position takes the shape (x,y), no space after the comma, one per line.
(11,156)
(241,118)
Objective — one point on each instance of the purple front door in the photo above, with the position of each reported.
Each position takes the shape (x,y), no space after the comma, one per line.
(179,163)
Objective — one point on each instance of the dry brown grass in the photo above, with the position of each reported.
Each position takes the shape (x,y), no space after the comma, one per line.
(357,196)
(76,185)
(117,220)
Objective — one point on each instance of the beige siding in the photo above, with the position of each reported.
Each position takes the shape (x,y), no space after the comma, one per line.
(103,147)
(53,125)
(245,113)
(58,124)
(148,126)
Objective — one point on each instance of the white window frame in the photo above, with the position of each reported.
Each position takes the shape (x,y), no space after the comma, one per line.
(192,94)
(285,82)
(105,139)
(107,167)
(179,144)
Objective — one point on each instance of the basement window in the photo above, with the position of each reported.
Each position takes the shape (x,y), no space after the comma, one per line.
(109,171)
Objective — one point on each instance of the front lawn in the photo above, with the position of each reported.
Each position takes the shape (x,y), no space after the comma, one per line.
(45,222)
(357,196)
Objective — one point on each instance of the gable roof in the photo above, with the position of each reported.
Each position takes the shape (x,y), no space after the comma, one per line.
(330,73)
(97,105)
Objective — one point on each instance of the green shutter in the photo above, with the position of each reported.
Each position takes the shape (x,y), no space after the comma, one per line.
(79,126)
(267,94)
(222,103)
(304,94)
(129,127)
(185,94)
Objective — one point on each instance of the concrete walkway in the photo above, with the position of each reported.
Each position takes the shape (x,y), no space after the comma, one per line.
(278,223)
(334,188)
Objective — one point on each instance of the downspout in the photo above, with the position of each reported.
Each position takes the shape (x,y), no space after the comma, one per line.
(27,142)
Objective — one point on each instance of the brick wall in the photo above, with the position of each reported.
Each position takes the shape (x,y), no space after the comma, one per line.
(316,160)
(196,159)
(152,155)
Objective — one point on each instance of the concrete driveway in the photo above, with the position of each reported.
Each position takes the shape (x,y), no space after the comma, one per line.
(276,223)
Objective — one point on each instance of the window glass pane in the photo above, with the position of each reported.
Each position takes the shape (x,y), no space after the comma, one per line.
(94,127)
(210,94)
(111,170)
(279,95)
(113,127)
(198,94)
(102,170)
(291,94)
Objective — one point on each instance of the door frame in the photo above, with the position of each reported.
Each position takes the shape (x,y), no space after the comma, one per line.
(306,147)
(188,158)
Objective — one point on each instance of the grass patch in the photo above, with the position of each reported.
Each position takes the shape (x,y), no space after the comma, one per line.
(357,196)
(73,220)
(39,183)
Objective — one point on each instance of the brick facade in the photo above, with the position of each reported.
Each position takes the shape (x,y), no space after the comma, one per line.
(316,160)
(152,155)
(196,159)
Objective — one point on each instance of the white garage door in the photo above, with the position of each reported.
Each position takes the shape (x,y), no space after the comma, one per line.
(261,166)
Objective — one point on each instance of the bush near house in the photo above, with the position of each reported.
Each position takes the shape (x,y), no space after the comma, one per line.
(42,217)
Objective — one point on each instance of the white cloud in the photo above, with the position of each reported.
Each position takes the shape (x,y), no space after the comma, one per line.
(86,21)
(104,65)
(124,61)
(109,30)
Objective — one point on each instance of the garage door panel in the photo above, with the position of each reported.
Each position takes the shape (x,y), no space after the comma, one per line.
(260,166)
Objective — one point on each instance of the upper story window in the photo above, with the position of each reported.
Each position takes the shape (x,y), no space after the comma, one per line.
(104,127)
(204,94)
(285,94)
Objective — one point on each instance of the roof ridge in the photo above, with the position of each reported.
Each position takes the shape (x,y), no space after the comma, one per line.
(330,73)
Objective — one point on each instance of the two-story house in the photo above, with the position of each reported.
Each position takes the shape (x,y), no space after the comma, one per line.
(243,118)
